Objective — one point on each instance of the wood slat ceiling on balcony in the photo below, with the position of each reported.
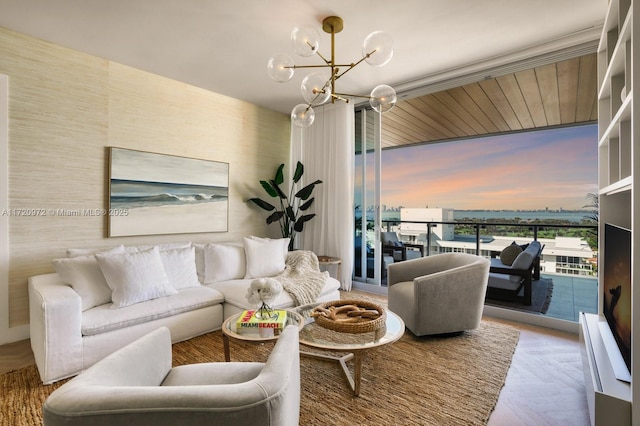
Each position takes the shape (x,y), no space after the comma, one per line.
(551,95)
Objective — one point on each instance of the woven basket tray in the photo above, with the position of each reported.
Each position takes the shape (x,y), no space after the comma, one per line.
(363,325)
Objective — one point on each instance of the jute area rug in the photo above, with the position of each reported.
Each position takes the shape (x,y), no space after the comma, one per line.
(415,381)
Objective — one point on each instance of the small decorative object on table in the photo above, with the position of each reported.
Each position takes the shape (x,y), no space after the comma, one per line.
(263,291)
(350,316)
(249,323)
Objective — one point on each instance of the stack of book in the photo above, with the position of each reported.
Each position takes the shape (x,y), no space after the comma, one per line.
(248,323)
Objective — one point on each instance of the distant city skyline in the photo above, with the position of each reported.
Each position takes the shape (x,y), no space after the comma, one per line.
(547,169)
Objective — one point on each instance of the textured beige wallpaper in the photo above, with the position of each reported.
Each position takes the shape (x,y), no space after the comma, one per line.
(66,108)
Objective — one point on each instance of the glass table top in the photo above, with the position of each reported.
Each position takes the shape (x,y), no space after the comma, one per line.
(317,336)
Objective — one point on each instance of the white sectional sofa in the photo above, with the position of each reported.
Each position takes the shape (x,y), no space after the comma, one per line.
(98,301)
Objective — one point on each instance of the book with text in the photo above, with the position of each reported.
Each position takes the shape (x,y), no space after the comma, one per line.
(248,323)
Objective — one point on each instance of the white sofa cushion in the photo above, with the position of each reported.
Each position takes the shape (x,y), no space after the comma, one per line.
(504,281)
(135,277)
(223,262)
(265,257)
(102,319)
(235,293)
(180,266)
(84,275)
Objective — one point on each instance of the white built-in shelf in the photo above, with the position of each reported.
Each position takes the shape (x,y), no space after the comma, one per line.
(622,115)
(611,396)
(610,399)
(620,186)
(618,58)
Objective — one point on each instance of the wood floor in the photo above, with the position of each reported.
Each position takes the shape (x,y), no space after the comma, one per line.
(544,386)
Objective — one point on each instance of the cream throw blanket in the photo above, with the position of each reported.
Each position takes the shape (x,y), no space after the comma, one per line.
(302,278)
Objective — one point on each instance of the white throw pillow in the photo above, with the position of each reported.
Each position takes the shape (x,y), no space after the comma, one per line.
(223,262)
(84,275)
(161,247)
(265,257)
(180,266)
(199,261)
(75,252)
(135,277)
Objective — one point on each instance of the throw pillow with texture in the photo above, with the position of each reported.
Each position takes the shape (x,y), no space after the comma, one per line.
(84,275)
(76,252)
(135,277)
(224,262)
(265,257)
(199,248)
(509,254)
(180,266)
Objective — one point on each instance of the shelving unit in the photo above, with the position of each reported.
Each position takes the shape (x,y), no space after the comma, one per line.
(611,400)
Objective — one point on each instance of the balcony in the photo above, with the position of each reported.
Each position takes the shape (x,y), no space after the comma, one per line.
(572,294)
(566,261)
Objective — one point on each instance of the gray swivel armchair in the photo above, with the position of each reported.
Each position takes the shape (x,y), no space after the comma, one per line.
(439,294)
(137,386)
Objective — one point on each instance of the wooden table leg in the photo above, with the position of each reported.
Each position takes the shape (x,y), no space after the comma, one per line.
(357,372)
(354,380)
(225,342)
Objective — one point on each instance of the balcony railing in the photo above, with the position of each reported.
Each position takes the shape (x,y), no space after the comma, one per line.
(533,228)
(575,284)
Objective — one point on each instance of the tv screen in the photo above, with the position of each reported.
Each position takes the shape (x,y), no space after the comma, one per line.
(617,287)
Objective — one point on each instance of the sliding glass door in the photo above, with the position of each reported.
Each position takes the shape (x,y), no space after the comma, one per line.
(368,262)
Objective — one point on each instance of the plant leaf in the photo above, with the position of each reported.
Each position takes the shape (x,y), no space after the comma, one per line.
(274,217)
(305,192)
(279,192)
(262,204)
(299,172)
(279,178)
(268,188)
(307,204)
(301,220)
(290,213)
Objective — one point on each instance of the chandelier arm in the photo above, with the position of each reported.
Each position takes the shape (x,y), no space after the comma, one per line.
(340,95)
(328,62)
(306,66)
(353,65)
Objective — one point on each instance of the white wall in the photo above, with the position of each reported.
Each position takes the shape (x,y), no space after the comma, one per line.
(65,109)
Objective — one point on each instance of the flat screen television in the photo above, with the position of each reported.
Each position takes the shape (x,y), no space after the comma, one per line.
(617,287)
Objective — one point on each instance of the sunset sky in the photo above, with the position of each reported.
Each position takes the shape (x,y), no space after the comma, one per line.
(551,168)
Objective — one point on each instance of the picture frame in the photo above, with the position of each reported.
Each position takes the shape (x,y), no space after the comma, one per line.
(153,194)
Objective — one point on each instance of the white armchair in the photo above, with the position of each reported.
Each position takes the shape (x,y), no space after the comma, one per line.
(137,386)
(439,294)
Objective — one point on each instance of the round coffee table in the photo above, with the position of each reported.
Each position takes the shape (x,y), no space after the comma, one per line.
(355,345)
(229,331)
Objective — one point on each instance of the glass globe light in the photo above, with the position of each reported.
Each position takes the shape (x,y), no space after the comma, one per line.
(280,68)
(382,98)
(380,46)
(305,40)
(302,115)
(315,89)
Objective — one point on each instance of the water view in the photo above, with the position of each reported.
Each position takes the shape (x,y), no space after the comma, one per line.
(508,215)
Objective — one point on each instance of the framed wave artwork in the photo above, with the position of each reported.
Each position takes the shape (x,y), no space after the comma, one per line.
(152,194)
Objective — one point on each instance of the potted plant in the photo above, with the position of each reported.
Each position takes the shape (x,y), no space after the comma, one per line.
(289,215)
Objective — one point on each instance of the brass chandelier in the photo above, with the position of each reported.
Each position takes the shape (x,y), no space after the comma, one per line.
(316,88)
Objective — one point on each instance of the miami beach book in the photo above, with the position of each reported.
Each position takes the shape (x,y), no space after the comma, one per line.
(248,323)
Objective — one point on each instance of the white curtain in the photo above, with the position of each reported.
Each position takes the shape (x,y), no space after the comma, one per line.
(326,149)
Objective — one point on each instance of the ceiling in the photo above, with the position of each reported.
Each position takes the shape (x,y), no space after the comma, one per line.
(556,94)
(224,46)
